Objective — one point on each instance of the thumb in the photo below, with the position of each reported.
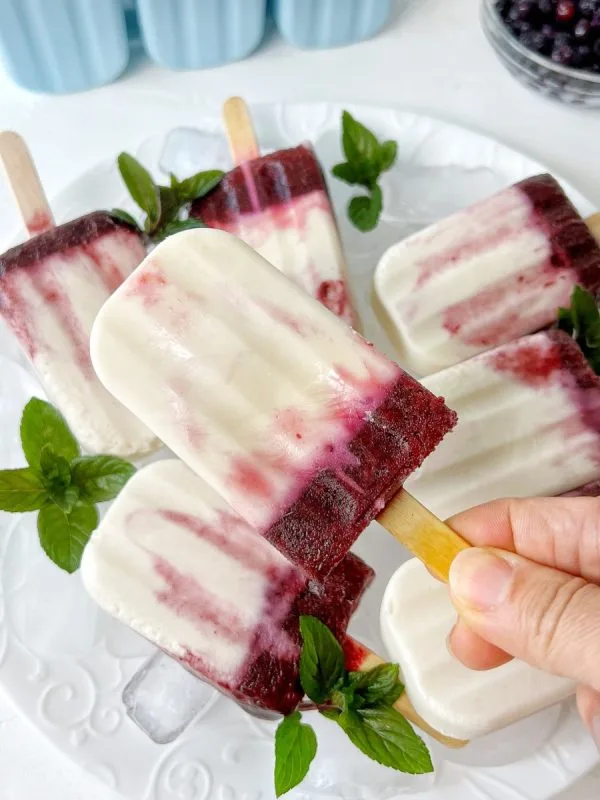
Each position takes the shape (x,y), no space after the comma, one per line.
(535,613)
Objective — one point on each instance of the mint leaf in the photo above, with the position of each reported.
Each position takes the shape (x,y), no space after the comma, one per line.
(56,477)
(178,226)
(42,424)
(565,321)
(364,211)
(321,660)
(199,185)
(385,736)
(63,536)
(330,713)
(295,749)
(169,206)
(582,322)
(347,173)
(68,499)
(388,152)
(358,142)
(141,187)
(379,686)
(124,216)
(100,478)
(21,490)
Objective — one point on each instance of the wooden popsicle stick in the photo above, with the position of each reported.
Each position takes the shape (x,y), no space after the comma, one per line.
(240,131)
(403,705)
(593,224)
(422,533)
(25,183)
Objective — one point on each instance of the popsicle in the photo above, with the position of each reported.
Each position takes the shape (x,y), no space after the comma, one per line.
(528,424)
(591,489)
(495,272)
(51,288)
(163,697)
(280,206)
(291,416)
(455,700)
(173,560)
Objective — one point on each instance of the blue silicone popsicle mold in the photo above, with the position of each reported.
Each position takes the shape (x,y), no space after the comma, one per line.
(72,45)
(193,34)
(65,45)
(329,23)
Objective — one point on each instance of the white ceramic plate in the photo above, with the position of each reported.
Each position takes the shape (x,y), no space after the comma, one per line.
(65,664)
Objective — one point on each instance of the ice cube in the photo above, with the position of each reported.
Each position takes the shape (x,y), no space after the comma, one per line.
(188,150)
(49,610)
(163,698)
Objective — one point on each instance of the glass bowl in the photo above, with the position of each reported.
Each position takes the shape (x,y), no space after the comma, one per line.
(538,72)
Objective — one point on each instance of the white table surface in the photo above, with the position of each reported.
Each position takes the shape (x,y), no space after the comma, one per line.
(433,58)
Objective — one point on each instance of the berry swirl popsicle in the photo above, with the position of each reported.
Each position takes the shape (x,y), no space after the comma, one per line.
(529,424)
(487,275)
(279,205)
(51,288)
(292,417)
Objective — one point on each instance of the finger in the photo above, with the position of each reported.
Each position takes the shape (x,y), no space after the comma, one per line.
(588,704)
(559,532)
(473,651)
(538,614)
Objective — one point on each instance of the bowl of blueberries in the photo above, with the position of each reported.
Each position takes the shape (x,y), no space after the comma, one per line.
(552,46)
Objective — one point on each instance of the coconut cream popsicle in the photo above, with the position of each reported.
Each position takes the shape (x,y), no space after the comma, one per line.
(51,288)
(454,699)
(529,424)
(495,272)
(279,205)
(292,417)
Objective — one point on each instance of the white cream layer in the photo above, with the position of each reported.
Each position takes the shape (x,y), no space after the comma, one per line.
(301,239)
(119,569)
(416,618)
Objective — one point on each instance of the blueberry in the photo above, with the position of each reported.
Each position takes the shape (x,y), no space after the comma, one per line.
(588,7)
(533,40)
(582,28)
(519,11)
(562,54)
(546,6)
(548,31)
(562,39)
(581,56)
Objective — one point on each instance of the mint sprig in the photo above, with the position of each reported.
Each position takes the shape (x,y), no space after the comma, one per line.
(60,483)
(582,322)
(165,207)
(361,703)
(366,160)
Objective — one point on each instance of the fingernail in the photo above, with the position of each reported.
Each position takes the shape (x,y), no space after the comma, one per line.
(596,730)
(480,579)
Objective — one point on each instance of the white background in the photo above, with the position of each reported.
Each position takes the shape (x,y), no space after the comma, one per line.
(432,58)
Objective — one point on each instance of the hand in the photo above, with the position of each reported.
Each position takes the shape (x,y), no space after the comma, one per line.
(540,601)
